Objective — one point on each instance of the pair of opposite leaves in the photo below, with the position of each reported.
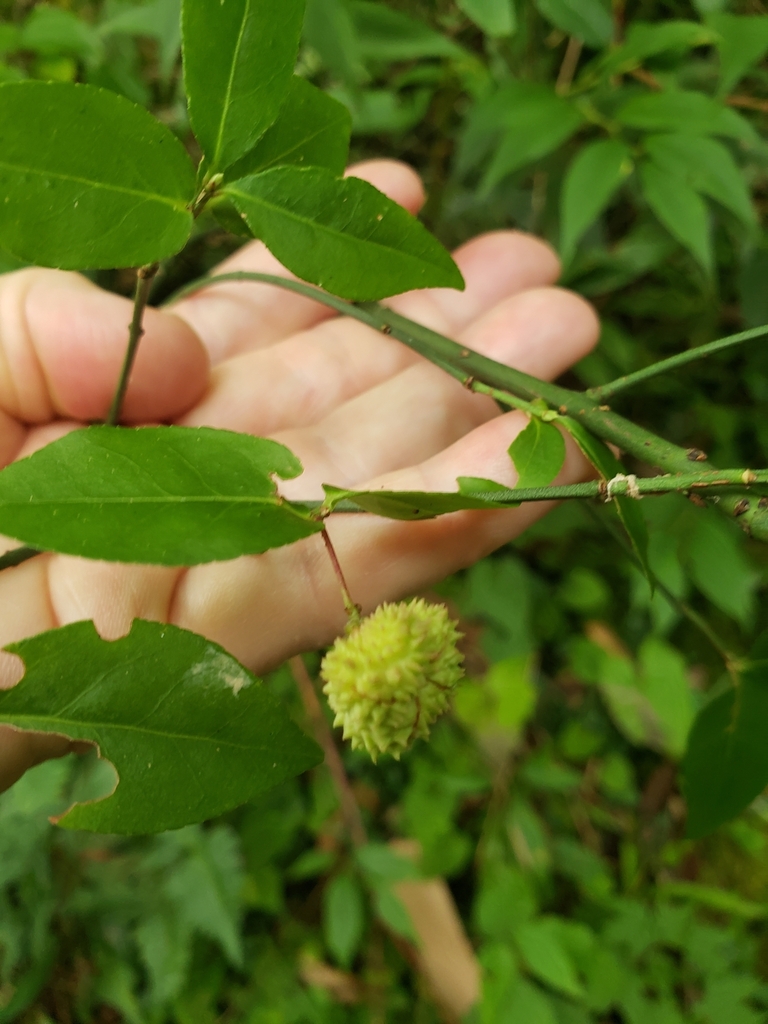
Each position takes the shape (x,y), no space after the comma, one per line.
(90,180)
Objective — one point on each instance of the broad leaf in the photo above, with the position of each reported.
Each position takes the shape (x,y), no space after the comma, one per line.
(312,129)
(541,947)
(239,57)
(159,495)
(707,166)
(494,17)
(608,466)
(190,732)
(592,179)
(342,234)
(72,201)
(389,35)
(537,122)
(538,453)
(678,110)
(680,209)
(726,764)
(742,42)
(587,20)
(343,917)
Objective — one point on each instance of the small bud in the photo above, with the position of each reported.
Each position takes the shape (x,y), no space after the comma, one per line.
(391,675)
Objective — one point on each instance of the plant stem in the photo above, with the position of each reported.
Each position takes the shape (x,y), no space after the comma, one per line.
(15,557)
(680,359)
(144,278)
(469,367)
(350,810)
(352,609)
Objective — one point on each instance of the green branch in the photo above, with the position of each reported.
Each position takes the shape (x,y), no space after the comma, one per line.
(144,278)
(673,362)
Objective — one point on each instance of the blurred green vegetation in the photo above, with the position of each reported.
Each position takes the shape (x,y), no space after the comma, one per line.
(632,137)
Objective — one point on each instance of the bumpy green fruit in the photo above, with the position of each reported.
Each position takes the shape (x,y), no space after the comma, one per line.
(391,675)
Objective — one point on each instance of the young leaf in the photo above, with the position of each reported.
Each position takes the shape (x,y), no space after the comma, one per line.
(158,495)
(680,210)
(538,123)
(72,201)
(495,17)
(707,166)
(726,764)
(239,57)
(343,917)
(591,180)
(742,42)
(608,466)
(342,234)
(538,453)
(312,129)
(190,732)
(587,20)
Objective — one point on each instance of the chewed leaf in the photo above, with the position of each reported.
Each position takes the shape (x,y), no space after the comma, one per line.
(159,495)
(538,453)
(190,731)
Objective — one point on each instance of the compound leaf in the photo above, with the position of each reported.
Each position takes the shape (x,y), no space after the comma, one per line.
(341,234)
(239,57)
(70,200)
(158,495)
(190,732)
(726,764)
(312,129)
(538,453)
(591,180)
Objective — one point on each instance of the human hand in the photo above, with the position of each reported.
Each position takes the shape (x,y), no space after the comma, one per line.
(358,408)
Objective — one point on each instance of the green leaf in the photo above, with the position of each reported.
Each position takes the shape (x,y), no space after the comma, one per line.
(70,200)
(343,917)
(587,20)
(388,35)
(648,39)
(718,565)
(664,681)
(406,505)
(160,20)
(537,123)
(495,17)
(50,31)
(742,42)
(191,733)
(312,129)
(330,31)
(677,110)
(342,234)
(391,910)
(606,463)
(159,495)
(590,183)
(541,947)
(680,210)
(726,764)
(707,166)
(239,57)
(538,453)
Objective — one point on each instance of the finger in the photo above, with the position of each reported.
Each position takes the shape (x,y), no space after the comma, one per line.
(422,410)
(234,318)
(63,344)
(299,380)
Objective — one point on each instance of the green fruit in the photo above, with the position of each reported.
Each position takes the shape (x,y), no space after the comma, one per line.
(391,675)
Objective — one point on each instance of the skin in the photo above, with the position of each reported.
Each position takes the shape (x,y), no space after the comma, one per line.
(358,408)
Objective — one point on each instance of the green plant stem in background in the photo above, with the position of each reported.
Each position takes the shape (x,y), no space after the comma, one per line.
(673,362)
(144,278)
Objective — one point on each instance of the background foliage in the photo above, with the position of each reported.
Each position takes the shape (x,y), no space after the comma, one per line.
(550,799)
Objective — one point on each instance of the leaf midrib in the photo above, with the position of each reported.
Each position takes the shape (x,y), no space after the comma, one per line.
(171,499)
(59,723)
(176,204)
(335,232)
(230,85)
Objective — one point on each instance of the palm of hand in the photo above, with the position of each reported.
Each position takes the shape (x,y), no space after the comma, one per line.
(358,409)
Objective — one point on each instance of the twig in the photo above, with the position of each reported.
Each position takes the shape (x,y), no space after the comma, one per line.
(747,103)
(569,65)
(350,811)
(673,362)
(144,278)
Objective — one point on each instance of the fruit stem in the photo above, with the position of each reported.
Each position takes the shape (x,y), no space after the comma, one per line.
(353,610)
